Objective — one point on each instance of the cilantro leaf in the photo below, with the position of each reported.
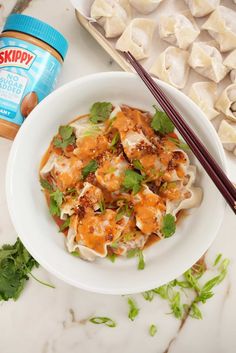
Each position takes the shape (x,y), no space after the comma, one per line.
(161,122)
(56,199)
(195,312)
(91,167)
(133,309)
(46,185)
(100,111)
(176,306)
(132,181)
(102,206)
(124,210)
(181,144)
(168,225)
(148,295)
(15,265)
(112,257)
(141,262)
(66,137)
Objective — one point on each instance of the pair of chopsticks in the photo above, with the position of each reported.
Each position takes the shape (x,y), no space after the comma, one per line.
(212,168)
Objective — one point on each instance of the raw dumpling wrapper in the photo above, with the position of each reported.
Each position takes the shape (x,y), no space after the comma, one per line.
(230,62)
(137,38)
(227,135)
(112,15)
(227,102)
(145,6)
(179,30)
(172,66)
(207,61)
(204,94)
(200,8)
(221,25)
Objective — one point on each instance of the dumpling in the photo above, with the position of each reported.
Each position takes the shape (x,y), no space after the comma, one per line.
(112,15)
(200,8)
(227,135)
(207,61)
(172,66)
(204,94)
(137,38)
(178,30)
(145,6)
(221,25)
(227,102)
(230,62)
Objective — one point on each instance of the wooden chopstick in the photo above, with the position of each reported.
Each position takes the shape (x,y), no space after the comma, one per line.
(212,168)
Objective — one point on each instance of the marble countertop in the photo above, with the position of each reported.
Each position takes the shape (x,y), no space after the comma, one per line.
(45,320)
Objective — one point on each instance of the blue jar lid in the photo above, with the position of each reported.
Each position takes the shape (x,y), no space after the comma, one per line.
(38,29)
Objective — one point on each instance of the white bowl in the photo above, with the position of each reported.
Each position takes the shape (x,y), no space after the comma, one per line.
(166,259)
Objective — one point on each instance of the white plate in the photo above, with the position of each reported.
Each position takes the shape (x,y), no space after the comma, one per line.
(166,259)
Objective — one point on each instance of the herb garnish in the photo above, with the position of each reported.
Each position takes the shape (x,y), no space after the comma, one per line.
(168,225)
(182,145)
(66,137)
(55,203)
(161,122)
(137,165)
(103,320)
(114,141)
(133,309)
(100,111)
(111,257)
(65,224)
(16,265)
(125,210)
(137,252)
(152,330)
(91,167)
(132,181)
(46,185)
(102,206)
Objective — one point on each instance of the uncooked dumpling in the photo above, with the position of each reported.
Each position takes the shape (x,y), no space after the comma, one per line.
(230,62)
(227,102)
(221,25)
(112,15)
(227,135)
(145,6)
(179,30)
(207,61)
(137,38)
(200,8)
(172,66)
(204,94)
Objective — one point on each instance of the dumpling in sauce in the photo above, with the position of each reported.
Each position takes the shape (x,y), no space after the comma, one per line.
(178,29)
(227,135)
(207,61)
(137,38)
(204,94)
(145,6)
(172,66)
(221,25)
(112,15)
(200,8)
(227,102)
(230,62)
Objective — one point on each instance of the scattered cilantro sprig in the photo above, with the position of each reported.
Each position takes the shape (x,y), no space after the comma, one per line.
(161,122)
(133,181)
(168,225)
(137,252)
(152,330)
(66,137)
(100,111)
(16,265)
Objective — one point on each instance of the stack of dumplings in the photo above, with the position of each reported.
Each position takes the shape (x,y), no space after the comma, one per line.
(132,26)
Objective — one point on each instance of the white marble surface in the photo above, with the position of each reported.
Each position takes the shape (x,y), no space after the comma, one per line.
(46,320)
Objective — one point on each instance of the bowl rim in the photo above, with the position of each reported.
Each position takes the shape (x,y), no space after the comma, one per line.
(57,92)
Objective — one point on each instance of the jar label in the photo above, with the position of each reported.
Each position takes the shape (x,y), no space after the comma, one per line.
(28,74)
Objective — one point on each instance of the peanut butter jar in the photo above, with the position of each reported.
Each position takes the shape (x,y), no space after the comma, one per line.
(31,56)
